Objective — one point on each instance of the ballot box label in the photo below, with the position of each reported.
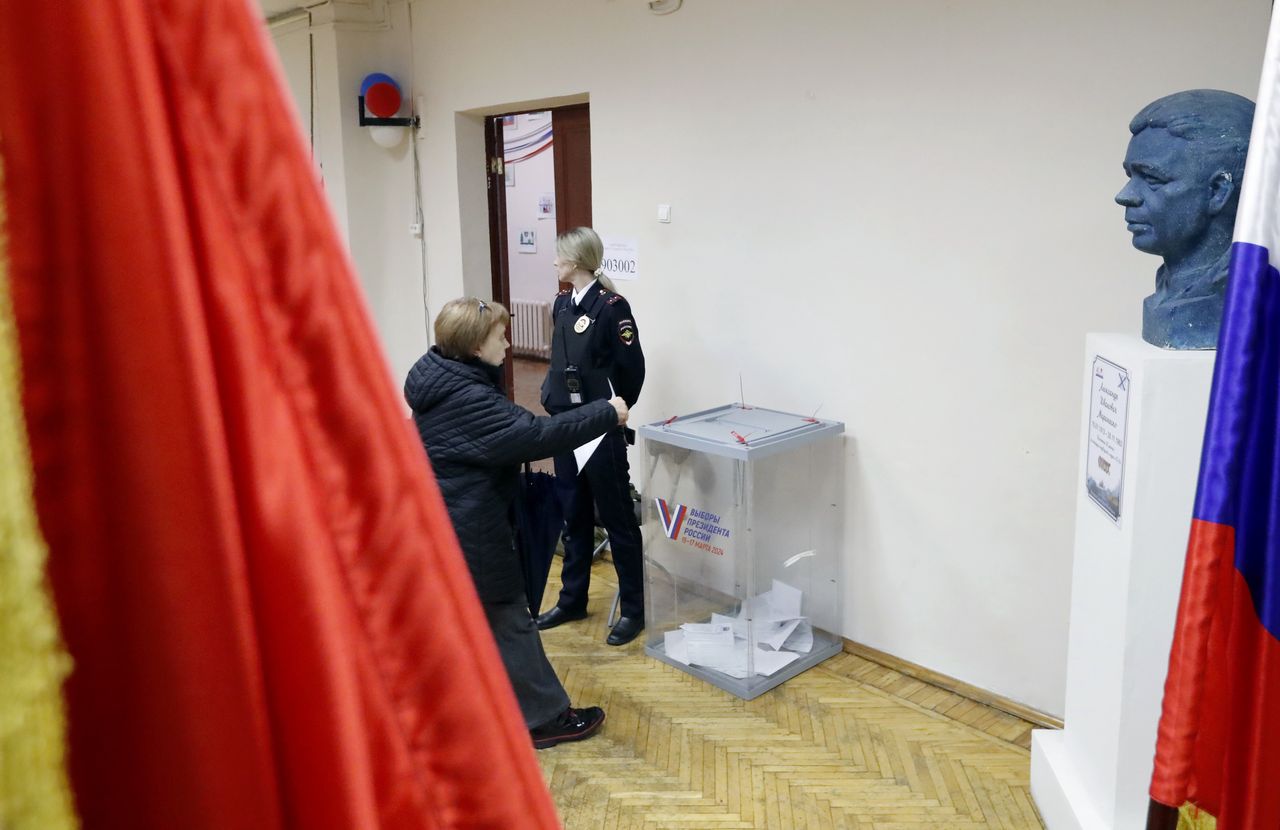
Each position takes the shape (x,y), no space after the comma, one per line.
(700,529)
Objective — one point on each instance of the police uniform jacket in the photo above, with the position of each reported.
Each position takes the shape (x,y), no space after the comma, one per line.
(606,349)
(475,438)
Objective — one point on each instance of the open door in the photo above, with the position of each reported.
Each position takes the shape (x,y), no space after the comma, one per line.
(572,151)
(509,152)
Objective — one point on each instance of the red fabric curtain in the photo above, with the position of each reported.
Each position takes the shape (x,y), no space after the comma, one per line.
(270,620)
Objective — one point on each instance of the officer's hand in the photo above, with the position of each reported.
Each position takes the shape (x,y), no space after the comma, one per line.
(621,407)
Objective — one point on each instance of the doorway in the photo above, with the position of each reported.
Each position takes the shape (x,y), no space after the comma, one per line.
(539,185)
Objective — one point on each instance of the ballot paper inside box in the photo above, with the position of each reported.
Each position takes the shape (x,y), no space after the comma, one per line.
(765,637)
(742,530)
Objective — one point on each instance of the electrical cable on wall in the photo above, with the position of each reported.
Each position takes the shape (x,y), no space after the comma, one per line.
(414,138)
(311,88)
(422,235)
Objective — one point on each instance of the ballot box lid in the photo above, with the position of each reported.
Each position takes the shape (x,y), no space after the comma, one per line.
(740,431)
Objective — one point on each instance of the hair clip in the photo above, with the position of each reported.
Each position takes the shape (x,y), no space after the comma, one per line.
(483,307)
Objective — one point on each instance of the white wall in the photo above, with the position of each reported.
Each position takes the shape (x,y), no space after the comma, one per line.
(371,189)
(532,275)
(900,211)
(293,45)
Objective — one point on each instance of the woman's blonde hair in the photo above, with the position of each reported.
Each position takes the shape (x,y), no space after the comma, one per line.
(582,247)
(463,325)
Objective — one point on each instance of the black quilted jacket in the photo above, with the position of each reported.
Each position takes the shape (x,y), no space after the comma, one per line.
(475,439)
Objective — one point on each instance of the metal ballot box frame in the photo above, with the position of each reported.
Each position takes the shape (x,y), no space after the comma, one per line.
(742,529)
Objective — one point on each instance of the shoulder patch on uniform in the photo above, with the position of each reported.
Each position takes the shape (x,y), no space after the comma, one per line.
(563,293)
(626,332)
(612,299)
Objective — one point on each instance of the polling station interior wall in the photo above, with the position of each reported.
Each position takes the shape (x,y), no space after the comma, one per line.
(900,213)
(371,189)
(292,40)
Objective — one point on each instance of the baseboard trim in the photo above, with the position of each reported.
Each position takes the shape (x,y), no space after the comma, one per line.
(942,681)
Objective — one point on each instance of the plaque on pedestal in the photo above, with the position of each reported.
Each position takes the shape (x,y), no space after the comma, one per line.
(1126,578)
(1104,445)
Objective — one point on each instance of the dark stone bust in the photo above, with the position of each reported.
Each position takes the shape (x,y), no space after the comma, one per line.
(1184,163)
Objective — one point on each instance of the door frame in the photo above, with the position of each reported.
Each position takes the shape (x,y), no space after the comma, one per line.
(499,267)
(500,271)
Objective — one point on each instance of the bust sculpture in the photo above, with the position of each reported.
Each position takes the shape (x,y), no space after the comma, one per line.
(1184,163)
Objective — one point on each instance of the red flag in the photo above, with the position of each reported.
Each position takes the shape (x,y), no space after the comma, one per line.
(270,620)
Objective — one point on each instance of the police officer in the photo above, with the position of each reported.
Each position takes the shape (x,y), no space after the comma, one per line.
(595,353)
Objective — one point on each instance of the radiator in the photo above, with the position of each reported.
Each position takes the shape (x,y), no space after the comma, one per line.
(531,329)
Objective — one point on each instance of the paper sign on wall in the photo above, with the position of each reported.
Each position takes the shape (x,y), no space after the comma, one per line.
(528,241)
(621,260)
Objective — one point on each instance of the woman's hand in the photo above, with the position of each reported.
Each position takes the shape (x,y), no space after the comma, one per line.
(620,406)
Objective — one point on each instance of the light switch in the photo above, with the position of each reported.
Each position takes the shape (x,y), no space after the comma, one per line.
(664,213)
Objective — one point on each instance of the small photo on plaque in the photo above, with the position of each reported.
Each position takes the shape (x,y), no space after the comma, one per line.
(1108,419)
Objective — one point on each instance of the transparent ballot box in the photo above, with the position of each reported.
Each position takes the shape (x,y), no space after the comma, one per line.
(742,529)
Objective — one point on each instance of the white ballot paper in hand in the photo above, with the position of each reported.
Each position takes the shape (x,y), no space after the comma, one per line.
(583,454)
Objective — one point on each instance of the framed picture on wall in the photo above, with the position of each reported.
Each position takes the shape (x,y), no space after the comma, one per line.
(546,206)
(509,175)
(528,242)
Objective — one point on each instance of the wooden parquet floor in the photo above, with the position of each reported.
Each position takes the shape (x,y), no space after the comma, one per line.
(847,744)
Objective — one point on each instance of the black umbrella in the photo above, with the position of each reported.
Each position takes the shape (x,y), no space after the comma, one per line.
(539,518)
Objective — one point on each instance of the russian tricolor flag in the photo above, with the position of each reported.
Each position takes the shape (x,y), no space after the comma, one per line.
(1219,739)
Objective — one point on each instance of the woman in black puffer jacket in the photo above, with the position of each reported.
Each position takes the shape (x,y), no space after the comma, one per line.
(476,438)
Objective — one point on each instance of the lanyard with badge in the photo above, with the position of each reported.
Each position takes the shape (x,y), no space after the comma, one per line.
(572,375)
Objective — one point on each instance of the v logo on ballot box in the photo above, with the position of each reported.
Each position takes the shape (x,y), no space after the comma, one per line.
(672,520)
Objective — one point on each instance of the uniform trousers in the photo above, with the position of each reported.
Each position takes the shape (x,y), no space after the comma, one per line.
(538,690)
(604,488)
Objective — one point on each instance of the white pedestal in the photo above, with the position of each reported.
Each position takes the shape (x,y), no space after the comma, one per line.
(1126,577)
